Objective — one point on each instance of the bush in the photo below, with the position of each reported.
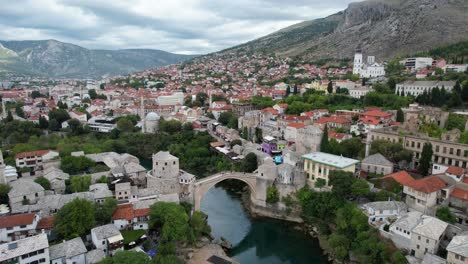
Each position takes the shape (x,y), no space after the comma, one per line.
(272,195)
(43,182)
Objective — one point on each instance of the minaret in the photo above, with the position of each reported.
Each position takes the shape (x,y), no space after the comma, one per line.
(4,112)
(255,90)
(2,169)
(142,114)
(357,66)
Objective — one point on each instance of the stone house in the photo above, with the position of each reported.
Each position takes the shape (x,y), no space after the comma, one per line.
(107,238)
(426,236)
(457,249)
(24,191)
(425,194)
(377,164)
(14,227)
(71,251)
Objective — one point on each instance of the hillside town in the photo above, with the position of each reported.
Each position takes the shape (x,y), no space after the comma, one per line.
(389,138)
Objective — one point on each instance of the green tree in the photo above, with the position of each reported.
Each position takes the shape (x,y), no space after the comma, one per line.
(125,125)
(464,93)
(456,121)
(36,94)
(288,91)
(172,220)
(103,211)
(444,214)
(272,195)
(43,182)
(19,112)
(235,142)
(167,259)
(75,219)
(75,165)
(43,123)
(341,182)
(9,117)
(198,223)
(400,116)
(80,183)
(4,190)
(250,162)
(425,160)
(320,183)
(296,90)
(330,87)
(76,127)
(360,188)
(127,257)
(324,144)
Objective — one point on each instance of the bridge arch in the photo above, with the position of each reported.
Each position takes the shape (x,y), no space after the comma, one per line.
(202,186)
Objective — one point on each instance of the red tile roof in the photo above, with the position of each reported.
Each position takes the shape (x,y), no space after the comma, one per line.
(37,153)
(460,194)
(402,177)
(142,212)
(376,113)
(333,119)
(296,125)
(16,220)
(124,211)
(45,223)
(455,171)
(465,179)
(428,184)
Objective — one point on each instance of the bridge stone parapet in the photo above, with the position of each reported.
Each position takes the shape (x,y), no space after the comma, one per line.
(201,187)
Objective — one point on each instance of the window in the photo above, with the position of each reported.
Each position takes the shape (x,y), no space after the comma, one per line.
(103,242)
(427,241)
(417,246)
(437,148)
(23,226)
(419,237)
(165,163)
(173,163)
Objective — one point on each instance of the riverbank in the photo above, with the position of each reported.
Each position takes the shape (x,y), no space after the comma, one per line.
(201,255)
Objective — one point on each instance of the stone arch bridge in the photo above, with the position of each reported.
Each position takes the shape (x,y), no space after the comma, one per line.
(203,185)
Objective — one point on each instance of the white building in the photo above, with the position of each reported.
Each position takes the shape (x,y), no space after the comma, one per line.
(14,227)
(174,99)
(102,124)
(107,238)
(32,159)
(416,88)
(68,252)
(359,92)
(369,69)
(414,64)
(25,251)
(379,212)
(402,229)
(456,68)
(125,216)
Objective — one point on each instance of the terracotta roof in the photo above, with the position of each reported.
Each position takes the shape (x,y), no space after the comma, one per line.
(376,113)
(370,120)
(428,184)
(45,223)
(402,177)
(459,193)
(37,153)
(16,220)
(271,110)
(296,125)
(465,180)
(141,212)
(333,119)
(124,211)
(455,170)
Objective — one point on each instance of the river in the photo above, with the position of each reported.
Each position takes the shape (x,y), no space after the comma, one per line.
(262,241)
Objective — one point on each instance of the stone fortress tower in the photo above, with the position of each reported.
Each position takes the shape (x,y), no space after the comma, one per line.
(164,177)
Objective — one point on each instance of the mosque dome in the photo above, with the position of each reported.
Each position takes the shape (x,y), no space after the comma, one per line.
(152,116)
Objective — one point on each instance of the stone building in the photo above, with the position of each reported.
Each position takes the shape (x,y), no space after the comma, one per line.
(308,139)
(377,164)
(444,152)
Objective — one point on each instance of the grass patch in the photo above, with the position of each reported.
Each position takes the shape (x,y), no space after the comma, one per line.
(131,235)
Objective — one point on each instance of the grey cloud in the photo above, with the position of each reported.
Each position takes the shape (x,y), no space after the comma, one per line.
(194,26)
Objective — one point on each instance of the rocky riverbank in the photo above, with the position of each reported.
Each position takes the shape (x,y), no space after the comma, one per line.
(200,255)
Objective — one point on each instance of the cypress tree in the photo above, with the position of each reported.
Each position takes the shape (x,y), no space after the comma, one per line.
(400,117)
(330,87)
(288,91)
(425,160)
(324,144)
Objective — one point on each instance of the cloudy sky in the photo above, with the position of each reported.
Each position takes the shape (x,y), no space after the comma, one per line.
(181,26)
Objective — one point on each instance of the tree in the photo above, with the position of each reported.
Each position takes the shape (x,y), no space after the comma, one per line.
(258,134)
(75,218)
(296,90)
(43,123)
(43,182)
(80,183)
(324,144)
(456,121)
(9,117)
(288,91)
(36,94)
(235,142)
(444,214)
(126,257)
(198,223)
(4,190)
(167,259)
(125,125)
(19,112)
(320,183)
(330,87)
(425,160)
(172,220)
(341,182)
(464,93)
(272,195)
(360,188)
(400,116)
(103,211)
(250,162)
(60,115)
(92,94)
(75,126)
(201,97)
(75,165)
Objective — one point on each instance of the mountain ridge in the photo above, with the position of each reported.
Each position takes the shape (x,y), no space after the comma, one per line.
(384,28)
(57,59)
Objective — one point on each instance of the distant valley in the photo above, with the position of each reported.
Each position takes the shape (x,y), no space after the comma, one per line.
(51,58)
